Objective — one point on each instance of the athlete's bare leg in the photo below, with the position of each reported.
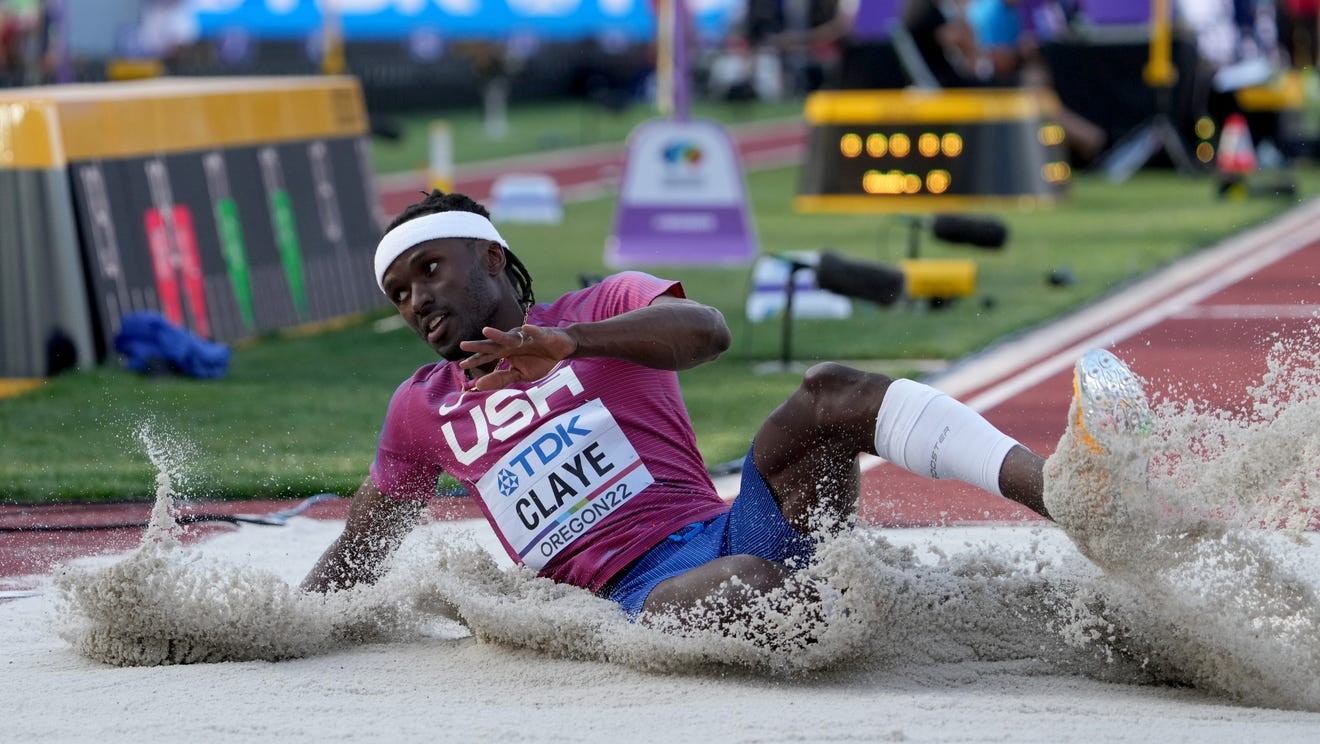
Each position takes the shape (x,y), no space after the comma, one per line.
(807,452)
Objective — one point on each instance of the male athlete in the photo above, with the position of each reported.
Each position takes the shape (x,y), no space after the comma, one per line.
(565,423)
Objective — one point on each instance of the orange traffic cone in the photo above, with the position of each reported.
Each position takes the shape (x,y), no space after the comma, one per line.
(1236,158)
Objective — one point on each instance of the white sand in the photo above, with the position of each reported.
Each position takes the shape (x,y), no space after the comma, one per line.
(975,683)
(1192,624)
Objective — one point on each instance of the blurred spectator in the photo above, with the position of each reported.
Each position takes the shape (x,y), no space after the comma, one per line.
(1006,52)
(1297,30)
(846,45)
(945,40)
(770,52)
(19,45)
(1004,49)
(9,46)
(166,30)
(1008,37)
(1229,32)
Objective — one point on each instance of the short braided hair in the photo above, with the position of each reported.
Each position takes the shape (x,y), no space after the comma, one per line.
(439,201)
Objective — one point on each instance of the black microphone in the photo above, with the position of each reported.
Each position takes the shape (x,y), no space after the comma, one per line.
(880,284)
(982,232)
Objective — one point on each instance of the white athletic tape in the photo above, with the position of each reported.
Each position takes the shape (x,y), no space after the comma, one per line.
(930,434)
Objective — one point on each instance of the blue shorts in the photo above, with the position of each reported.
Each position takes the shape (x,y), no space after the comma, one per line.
(754,526)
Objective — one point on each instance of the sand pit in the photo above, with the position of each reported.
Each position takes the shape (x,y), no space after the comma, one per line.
(1176,604)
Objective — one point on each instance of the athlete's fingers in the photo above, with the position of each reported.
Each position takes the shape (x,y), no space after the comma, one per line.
(496,340)
(496,380)
(499,344)
(479,360)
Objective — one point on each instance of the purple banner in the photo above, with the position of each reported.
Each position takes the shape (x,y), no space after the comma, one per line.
(875,18)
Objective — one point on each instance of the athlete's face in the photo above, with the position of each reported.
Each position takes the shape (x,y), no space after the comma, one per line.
(447,290)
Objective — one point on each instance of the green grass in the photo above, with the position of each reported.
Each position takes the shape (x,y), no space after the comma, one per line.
(297,416)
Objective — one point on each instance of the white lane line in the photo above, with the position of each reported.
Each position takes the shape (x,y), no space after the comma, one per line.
(1159,312)
(1299,311)
(1209,272)
(1249,250)
(1204,274)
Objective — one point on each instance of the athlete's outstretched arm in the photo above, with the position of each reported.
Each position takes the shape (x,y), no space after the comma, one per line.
(375,527)
(670,333)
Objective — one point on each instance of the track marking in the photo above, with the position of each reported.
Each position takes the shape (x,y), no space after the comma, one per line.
(609,157)
(1249,312)
(1298,228)
(1200,275)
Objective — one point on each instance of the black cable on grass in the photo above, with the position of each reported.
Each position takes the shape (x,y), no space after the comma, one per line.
(274,519)
(181,519)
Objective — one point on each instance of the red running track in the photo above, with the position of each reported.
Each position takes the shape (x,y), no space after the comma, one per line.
(586,172)
(1201,329)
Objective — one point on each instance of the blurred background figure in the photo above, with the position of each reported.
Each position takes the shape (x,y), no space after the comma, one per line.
(1007,36)
(494,67)
(166,31)
(1231,32)
(1009,32)
(776,49)
(1297,29)
(20,43)
(945,41)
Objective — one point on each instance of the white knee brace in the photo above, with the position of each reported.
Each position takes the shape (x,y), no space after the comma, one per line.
(928,433)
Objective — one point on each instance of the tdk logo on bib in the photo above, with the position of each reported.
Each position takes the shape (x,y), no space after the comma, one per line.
(570,473)
(548,446)
(508,482)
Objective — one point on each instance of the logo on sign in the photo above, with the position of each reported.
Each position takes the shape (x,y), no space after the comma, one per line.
(682,155)
(508,482)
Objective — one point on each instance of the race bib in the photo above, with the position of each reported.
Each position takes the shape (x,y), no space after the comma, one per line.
(567,475)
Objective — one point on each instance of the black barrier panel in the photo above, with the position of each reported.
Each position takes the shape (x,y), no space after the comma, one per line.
(337,261)
(358,208)
(102,266)
(143,245)
(308,181)
(44,323)
(868,65)
(273,301)
(110,198)
(198,215)
(1102,81)
(20,217)
(228,243)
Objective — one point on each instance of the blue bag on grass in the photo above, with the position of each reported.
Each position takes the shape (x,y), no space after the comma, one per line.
(151,344)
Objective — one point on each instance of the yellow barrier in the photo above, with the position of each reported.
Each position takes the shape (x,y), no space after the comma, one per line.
(13,386)
(49,126)
(1285,93)
(939,278)
(133,69)
(234,207)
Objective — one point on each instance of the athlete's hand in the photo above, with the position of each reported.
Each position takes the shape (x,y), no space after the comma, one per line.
(529,353)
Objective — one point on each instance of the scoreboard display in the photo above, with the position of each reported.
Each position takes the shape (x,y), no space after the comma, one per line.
(932,151)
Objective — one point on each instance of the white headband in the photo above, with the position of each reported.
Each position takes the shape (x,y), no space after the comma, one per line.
(418,230)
